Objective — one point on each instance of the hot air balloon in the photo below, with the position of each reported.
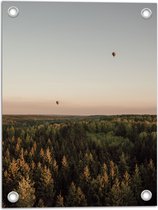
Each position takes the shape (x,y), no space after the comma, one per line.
(113,54)
(57,102)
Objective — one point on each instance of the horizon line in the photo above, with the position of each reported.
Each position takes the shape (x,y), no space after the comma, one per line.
(84,115)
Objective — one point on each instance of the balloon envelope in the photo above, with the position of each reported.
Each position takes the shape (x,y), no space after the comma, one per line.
(113,54)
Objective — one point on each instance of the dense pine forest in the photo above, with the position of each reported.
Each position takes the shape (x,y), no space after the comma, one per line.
(79,160)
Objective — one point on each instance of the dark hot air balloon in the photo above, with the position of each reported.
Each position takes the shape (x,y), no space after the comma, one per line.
(113,54)
(57,102)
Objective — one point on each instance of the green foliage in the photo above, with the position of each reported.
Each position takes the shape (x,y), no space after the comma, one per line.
(79,161)
(75,196)
(137,184)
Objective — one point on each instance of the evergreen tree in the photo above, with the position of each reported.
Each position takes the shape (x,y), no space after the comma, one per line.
(60,201)
(123,164)
(64,162)
(48,156)
(115,194)
(136,184)
(26,192)
(121,193)
(75,196)
(86,174)
(113,172)
(45,188)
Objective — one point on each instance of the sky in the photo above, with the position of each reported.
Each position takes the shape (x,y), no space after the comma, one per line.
(63,52)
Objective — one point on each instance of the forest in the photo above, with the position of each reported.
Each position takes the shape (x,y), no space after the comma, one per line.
(75,161)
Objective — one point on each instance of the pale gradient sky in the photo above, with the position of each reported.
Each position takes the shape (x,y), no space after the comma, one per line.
(62,51)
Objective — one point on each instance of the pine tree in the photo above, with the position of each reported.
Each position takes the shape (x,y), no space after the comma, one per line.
(127,196)
(17,148)
(136,184)
(123,164)
(23,165)
(48,156)
(13,170)
(46,189)
(113,172)
(34,146)
(33,165)
(86,174)
(64,162)
(75,196)
(26,192)
(55,167)
(41,153)
(121,193)
(102,181)
(88,158)
(60,201)
(115,194)
(104,175)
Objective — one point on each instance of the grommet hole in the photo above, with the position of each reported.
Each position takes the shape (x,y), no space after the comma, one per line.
(146,195)
(13,11)
(146,13)
(13,197)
